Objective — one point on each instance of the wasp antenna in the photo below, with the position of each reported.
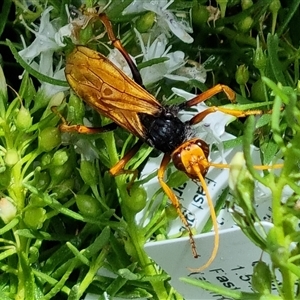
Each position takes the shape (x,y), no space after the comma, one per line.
(267,167)
(214,220)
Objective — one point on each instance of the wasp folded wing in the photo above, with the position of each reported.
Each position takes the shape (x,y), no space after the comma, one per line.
(106,88)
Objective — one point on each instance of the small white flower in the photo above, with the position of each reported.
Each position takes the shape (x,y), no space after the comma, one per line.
(44,40)
(159,49)
(43,48)
(166,20)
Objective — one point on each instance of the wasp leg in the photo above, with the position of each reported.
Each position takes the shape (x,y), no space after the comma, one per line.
(117,44)
(165,161)
(87,130)
(118,168)
(233,112)
(210,93)
(65,127)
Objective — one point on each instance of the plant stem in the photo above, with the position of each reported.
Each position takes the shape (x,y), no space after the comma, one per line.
(136,234)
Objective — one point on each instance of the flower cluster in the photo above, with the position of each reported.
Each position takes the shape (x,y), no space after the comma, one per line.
(40,53)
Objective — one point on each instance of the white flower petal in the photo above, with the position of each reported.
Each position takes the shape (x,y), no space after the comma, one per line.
(118,60)
(177,77)
(153,73)
(176,60)
(44,40)
(65,31)
(137,6)
(177,28)
(157,48)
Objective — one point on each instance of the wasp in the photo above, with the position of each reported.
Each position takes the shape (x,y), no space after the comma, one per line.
(129,105)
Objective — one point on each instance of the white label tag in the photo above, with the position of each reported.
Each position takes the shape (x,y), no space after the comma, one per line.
(232,268)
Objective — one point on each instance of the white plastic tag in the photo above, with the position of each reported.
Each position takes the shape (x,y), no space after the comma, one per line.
(232,268)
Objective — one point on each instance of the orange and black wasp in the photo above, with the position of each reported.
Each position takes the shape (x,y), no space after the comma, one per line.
(129,105)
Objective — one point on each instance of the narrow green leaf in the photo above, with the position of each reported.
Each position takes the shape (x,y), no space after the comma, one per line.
(277,68)
(78,254)
(98,244)
(4,15)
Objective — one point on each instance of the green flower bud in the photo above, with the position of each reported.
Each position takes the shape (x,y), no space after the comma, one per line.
(177,178)
(200,14)
(171,212)
(245,25)
(76,110)
(259,59)
(261,278)
(242,75)
(23,120)
(88,205)
(42,180)
(88,173)
(36,200)
(246,4)
(65,188)
(34,217)
(275,6)
(257,91)
(137,199)
(145,22)
(237,165)
(60,173)
(46,159)
(60,157)
(49,138)
(11,157)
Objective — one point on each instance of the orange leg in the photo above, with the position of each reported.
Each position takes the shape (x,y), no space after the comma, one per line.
(233,112)
(65,127)
(210,93)
(118,168)
(117,44)
(174,199)
(86,130)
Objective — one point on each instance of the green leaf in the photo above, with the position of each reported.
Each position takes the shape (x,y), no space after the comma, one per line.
(4,14)
(277,68)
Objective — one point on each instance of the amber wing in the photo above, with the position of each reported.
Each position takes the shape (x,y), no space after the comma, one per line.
(106,88)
